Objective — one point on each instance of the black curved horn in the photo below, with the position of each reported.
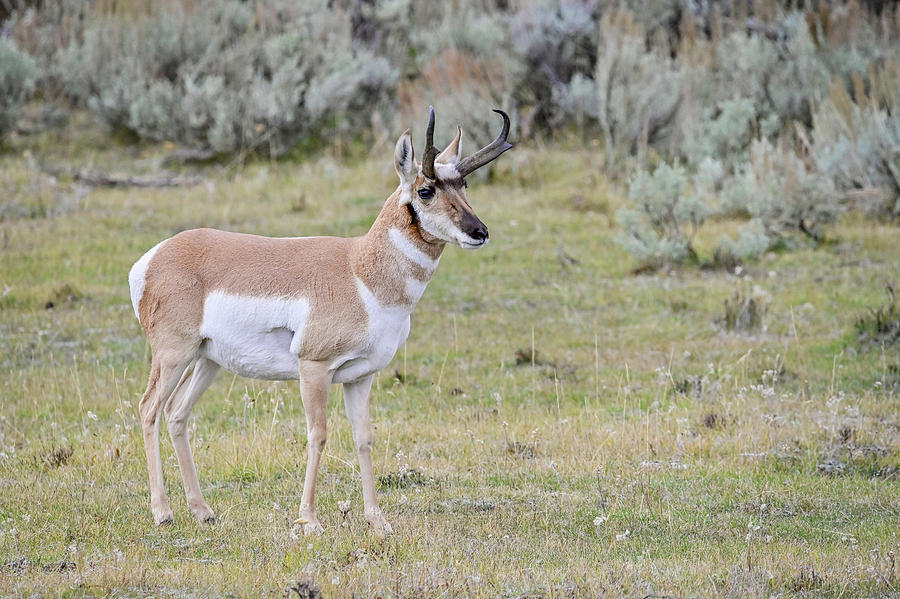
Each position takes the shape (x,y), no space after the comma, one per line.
(489,152)
(430,151)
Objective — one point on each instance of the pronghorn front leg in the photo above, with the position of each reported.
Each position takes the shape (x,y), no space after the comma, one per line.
(356,400)
(315,381)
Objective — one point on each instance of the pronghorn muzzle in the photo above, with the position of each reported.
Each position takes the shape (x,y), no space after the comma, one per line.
(472,226)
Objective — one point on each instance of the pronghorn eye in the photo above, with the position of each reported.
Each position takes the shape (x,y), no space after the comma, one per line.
(426,193)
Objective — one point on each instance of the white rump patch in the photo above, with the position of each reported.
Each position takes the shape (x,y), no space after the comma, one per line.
(258,337)
(409,249)
(137,277)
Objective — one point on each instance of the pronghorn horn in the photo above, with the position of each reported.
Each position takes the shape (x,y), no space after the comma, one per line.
(488,152)
(430,151)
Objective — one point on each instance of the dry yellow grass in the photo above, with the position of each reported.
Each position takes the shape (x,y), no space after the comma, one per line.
(643,451)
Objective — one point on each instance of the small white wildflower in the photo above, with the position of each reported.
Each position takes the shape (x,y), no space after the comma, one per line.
(91,415)
(599,520)
(751,528)
(624,535)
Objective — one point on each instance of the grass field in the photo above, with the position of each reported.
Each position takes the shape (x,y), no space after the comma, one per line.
(556,426)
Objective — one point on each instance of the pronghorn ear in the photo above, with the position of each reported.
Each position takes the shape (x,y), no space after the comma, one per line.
(405,160)
(452,153)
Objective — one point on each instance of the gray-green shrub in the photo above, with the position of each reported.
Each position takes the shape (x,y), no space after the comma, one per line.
(727,135)
(664,218)
(18,73)
(858,148)
(691,81)
(226,77)
(782,197)
(638,91)
(551,44)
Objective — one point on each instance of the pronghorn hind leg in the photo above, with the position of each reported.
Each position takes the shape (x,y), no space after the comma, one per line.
(178,410)
(165,374)
(315,381)
(356,401)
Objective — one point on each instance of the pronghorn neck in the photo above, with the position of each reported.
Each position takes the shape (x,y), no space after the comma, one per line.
(393,259)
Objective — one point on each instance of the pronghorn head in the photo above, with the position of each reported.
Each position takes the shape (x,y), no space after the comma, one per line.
(435,190)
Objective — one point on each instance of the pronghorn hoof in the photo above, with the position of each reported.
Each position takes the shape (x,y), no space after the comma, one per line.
(209,518)
(204,514)
(309,526)
(164,519)
(382,530)
(380,526)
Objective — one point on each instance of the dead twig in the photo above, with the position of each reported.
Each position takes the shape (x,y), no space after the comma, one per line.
(101,179)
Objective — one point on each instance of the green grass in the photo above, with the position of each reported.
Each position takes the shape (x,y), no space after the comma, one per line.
(646,451)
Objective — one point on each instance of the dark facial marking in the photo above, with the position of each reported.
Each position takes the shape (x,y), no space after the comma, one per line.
(455,183)
(471,225)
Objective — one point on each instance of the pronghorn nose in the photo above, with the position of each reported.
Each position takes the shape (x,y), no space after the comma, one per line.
(480,233)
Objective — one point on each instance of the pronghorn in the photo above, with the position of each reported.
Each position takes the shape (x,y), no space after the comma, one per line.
(319,309)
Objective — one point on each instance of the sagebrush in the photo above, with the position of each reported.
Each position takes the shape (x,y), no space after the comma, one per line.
(18,73)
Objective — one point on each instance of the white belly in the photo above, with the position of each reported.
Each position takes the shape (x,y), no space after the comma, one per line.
(262,337)
(254,337)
